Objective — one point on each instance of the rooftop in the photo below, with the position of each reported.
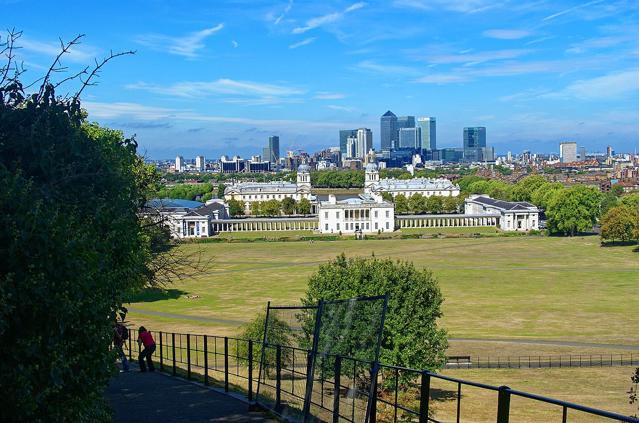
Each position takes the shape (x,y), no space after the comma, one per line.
(416,183)
(505,205)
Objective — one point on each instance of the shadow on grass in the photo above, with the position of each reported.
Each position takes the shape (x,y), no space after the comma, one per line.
(149,295)
(620,244)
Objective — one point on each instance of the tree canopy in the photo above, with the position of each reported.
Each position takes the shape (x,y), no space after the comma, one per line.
(573,210)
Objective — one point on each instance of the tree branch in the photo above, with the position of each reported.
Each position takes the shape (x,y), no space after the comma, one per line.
(96,71)
(56,62)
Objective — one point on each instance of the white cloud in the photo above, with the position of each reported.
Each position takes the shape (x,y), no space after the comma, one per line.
(235,44)
(327,19)
(386,69)
(506,34)
(325,95)
(287,9)
(186,46)
(461,6)
(611,86)
(571,9)
(478,57)
(441,78)
(599,43)
(223,86)
(80,53)
(302,43)
(340,108)
(143,113)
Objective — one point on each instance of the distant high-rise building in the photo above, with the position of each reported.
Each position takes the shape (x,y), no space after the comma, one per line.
(568,152)
(410,138)
(388,130)
(609,151)
(581,156)
(344,134)
(475,144)
(351,147)
(428,127)
(266,154)
(179,164)
(364,142)
(274,149)
(405,122)
(200,164)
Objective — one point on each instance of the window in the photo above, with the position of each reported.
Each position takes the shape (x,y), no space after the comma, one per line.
(325,215)
(375,215)
(387,215)
(376,226)
(337,217)
(367,226)
(326,226)
(387,225)
(338,226)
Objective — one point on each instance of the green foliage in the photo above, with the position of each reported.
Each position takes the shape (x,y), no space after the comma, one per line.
(411,336)
(387,196)
(542,194)
(236,208)
(523,190)
(220,190)
(631,200)
(434,204)
(279,333)
(256,208)
(452,204)
(394,173)
(186,191)
(401,204)
(304,206)
(338,179)
(465,182)
(620,223)
(617,190)
(270,208)
(71,247)
(573,210)
(417,203)
(288,206)
(608,201)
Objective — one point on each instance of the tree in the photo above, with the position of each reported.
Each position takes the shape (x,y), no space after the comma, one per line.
(417,203)
(608,201)
(220,190)
(631,200)
(451,204)
(523,189)
(288,206)
(573,210)
(619,224)
(271,208)
(434,204)
(634,389)
(304,206)
(465,182)
(236,208)
(72,245)
(279,333)
(387,196)
(256,208)
(401,204)
(542,194)
(411,336)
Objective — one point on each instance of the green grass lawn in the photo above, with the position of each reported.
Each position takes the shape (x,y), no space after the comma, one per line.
(497,287)
(445,230)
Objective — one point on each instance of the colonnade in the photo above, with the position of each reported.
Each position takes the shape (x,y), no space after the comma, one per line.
(250,225)
(441,221)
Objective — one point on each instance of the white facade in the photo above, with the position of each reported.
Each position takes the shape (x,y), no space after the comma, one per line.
(363,214)
(514,216)
(179,164)
(250,192)
(187,219)
(200,164)
(568,152)
(407,187)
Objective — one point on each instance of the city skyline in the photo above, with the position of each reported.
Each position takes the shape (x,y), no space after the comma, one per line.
(218,80)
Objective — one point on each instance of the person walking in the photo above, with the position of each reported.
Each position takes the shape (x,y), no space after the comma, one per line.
(145,338)
(120,335)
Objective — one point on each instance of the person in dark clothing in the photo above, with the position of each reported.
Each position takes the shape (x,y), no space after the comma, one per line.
(120,335)
(145,339)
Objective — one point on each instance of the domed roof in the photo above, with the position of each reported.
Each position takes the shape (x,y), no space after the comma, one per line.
(371,167)
(304,168)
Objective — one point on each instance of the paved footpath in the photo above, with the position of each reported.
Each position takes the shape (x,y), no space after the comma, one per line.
(154,397)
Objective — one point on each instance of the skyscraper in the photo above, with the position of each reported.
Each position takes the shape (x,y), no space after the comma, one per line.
(428,127)
(344,134)
(200,164)
(405,122)
(364,142)
(410,138)
(388,130)
(475,143)
(274,148)
(179,164)
(568,152)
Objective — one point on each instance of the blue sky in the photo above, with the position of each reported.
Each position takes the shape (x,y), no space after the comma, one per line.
(219,77)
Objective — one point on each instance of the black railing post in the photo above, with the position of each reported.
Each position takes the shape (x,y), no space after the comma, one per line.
(250,370)
(206,360)
(336,378)
(372,414)
(130,347)
(503,405)
(226,364)
(173,350)
(188,356)
(161,354)
(424,397)
(278,376)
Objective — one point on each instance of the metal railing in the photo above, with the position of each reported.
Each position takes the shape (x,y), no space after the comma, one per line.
(342,394)
(542,361)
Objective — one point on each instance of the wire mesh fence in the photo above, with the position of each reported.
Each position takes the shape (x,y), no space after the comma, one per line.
(541,361)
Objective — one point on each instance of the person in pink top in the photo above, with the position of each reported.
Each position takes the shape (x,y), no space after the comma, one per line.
(145,338)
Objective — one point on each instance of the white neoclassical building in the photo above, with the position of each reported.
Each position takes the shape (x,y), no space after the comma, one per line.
(407,187)
(514,216)
(250,192)
(363,214)
(186,219)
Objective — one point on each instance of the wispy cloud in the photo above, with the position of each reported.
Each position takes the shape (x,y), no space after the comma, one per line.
(281,16)
(600,43)
(371,66)
(441,78)
(235,44)
(302,43)
(340,108)
(473,58)
(572,9)
(460,6)
(327,19)
(186,46)
(143,113)
(81,53)
(611,86)
(223,86)
(506,34)
(325,95)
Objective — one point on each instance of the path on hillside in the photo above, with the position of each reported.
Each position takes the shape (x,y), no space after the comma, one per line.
(154,397)
(552,342)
